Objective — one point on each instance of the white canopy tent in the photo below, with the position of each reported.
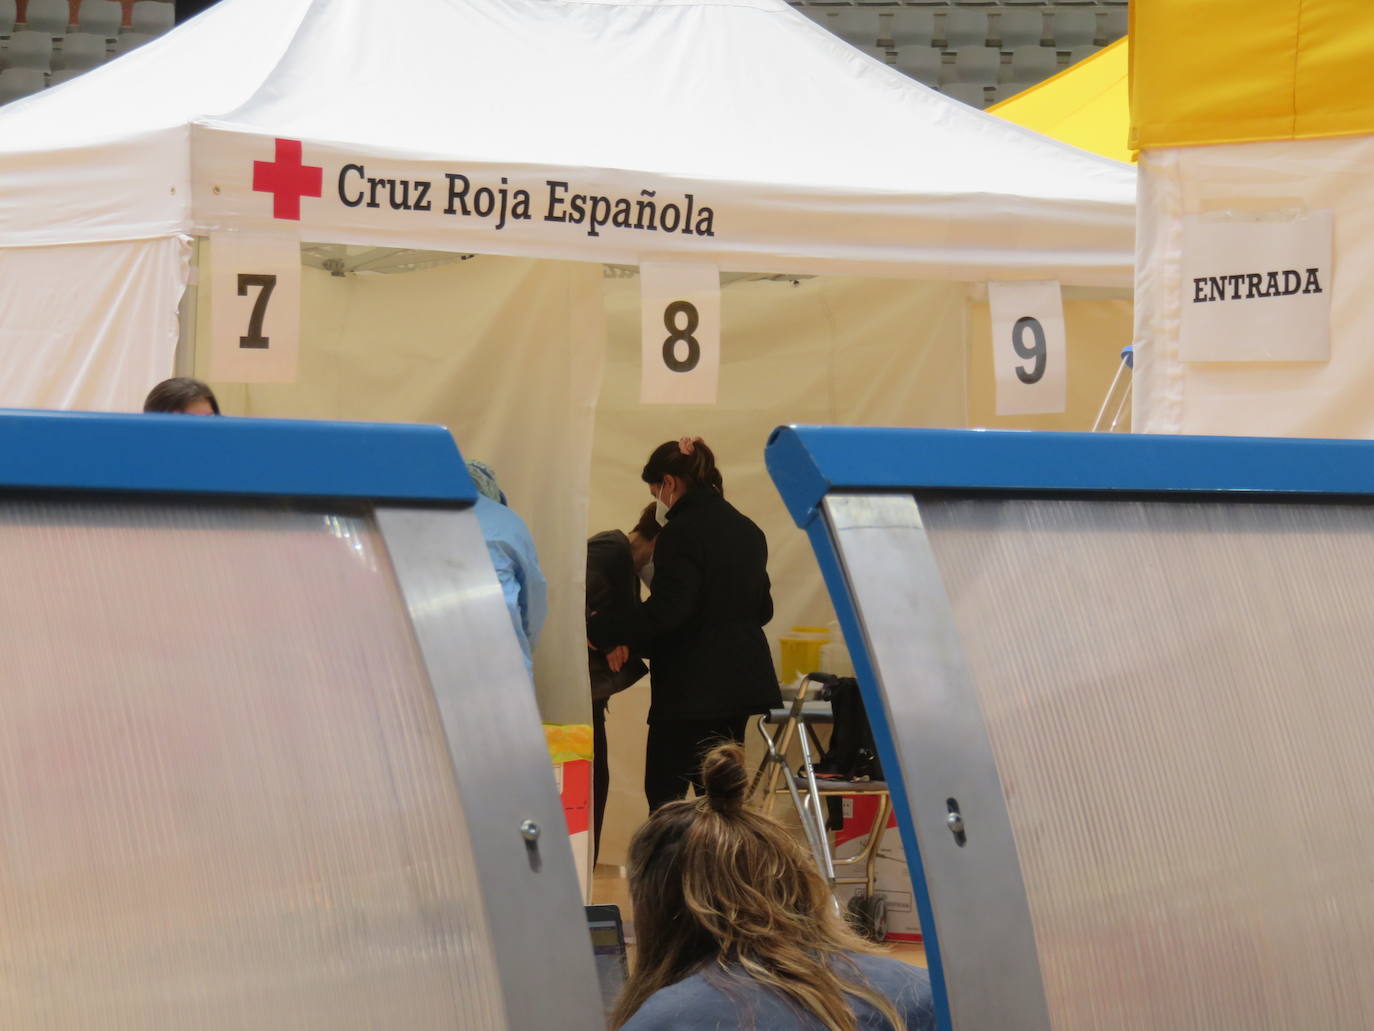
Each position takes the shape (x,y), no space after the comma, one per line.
(780,149)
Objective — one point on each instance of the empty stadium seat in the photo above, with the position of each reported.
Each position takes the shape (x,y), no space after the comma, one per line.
(80,52)
(1113,24)
(100,17)
(911,27)
(853,25)
(19,82)
(29,50)
(921,63)
(48,16)
(131,41)
(972,93)
(1020,27)
(1073,28)
(964,28)
(1081,53)
(877,53)
(972,64)
(66,75)
(8,12)
(1029,64)
(153,17)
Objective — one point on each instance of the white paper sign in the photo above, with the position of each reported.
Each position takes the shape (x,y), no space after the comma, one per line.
(1256,287)
(1029,354)
(255,308)
(680,333)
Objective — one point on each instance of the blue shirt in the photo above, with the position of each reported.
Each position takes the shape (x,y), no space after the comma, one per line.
(517,568)
(697,1004)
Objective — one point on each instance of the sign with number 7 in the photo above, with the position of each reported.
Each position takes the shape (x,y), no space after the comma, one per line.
(680,330)
(255,308)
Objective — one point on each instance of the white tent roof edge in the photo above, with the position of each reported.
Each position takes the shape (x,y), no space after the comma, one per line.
(780,148)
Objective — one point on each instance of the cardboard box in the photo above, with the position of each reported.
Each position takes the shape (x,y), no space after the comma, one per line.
(893,880)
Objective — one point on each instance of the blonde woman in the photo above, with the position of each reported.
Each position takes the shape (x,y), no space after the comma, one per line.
(735,928)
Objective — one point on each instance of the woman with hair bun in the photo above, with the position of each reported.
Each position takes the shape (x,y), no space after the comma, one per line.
(736,928)
(702,627)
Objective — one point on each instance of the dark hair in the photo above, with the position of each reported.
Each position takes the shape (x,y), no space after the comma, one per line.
(689,459)
(177,394)
(647,527)
(720,887)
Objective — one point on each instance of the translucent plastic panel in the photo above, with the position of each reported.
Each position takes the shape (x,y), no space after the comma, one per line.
(1181,701)
(225,801)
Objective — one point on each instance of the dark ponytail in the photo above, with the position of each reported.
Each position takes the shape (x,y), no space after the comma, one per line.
(689,459)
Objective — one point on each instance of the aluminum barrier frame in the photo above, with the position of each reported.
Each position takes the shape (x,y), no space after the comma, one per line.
(855,493)
(412,481)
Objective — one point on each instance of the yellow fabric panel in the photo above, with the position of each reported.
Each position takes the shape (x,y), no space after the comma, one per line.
(1234,71)
(1086,105)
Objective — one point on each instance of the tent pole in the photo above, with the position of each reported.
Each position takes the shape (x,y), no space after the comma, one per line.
(184,361)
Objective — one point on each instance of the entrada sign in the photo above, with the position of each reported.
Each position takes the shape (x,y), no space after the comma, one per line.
(1249,285)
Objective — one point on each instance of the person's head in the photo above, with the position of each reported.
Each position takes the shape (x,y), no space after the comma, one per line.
(677,467)
(484,479)
(642,538)
(183,396)
(716,884)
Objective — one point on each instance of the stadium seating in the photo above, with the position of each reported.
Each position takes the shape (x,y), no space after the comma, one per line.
(1080,53)
(80,52)
(1020,27)
(153,17)
(1113,25)
(855,25)
(964,27)
(8,13)
(50,16)
(972,93)
(131,41)
(100,17)
(1029,64)
(28,49)
(921,63)
(1073,28)
(911,27)
(19,82)
(972,64)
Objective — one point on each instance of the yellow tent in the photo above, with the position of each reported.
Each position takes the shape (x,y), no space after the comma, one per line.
(1087,104)
(1234,71)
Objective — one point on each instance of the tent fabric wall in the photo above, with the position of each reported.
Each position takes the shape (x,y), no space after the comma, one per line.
(1313,399)
(1231,71)
(89,326)
(507,353)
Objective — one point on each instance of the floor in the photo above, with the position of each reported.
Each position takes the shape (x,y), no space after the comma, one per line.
(610,888)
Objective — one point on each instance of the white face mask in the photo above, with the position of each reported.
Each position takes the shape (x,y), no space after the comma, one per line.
(661,508)
(646,573)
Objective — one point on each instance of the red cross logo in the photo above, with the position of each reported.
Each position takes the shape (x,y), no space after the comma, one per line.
(287,180)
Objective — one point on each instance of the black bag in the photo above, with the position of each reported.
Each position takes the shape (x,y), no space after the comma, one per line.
(853,754)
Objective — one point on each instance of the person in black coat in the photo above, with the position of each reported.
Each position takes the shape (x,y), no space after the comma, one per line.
(702,626)
(616,563)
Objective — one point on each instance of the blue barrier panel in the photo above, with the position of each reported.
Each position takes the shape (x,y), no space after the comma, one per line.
(1125,681)
(270,756)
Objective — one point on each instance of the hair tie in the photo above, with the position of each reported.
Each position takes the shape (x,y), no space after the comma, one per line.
(687,445)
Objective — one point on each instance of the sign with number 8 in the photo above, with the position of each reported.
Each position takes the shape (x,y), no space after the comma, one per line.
(680,300)
(681,335)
